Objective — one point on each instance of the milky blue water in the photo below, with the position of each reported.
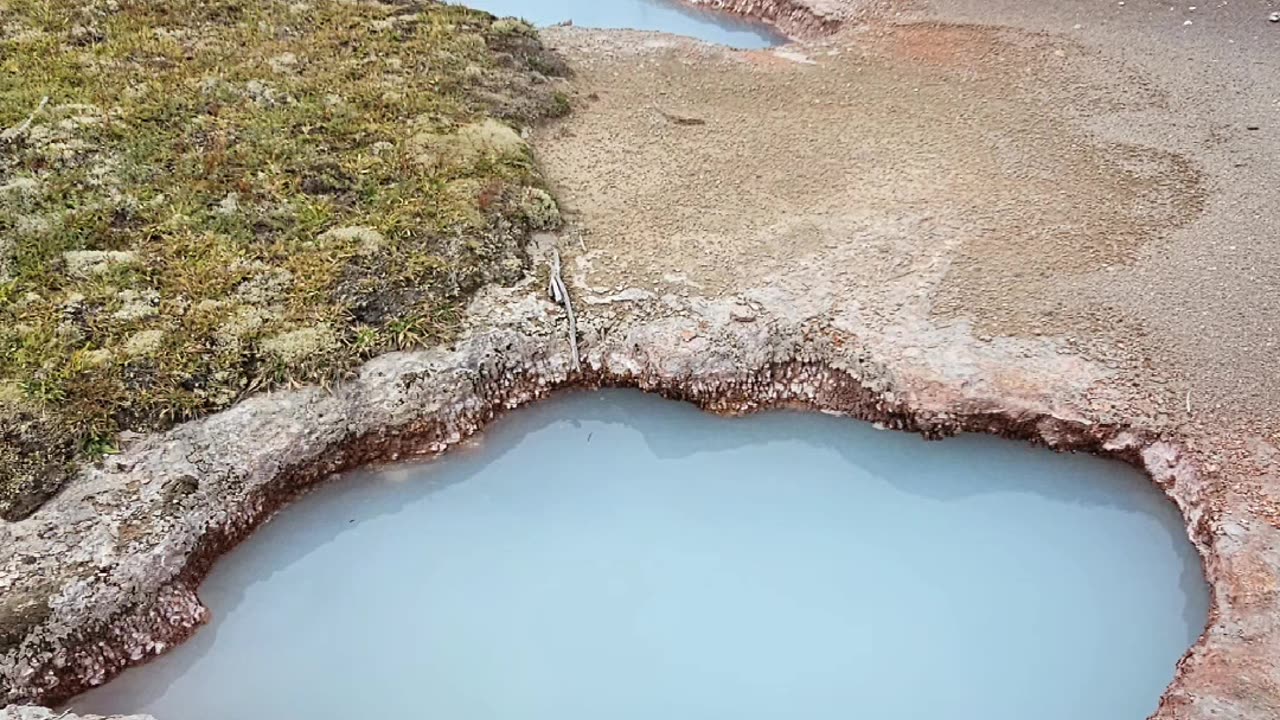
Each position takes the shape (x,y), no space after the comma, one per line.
(673,16)
(617,556)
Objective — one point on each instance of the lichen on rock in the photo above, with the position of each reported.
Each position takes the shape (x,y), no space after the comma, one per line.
(540,209)
(301,344)
(85,263)
(144,343)
(367,239)
(486,141)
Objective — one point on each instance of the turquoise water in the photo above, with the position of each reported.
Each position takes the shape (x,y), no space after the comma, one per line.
(614,555)
(673,16)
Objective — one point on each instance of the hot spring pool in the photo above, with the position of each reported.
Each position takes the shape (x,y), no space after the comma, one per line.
(673,16)
(614,555)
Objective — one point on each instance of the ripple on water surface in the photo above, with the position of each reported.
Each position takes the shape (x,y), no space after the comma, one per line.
(672,16)
(614,555)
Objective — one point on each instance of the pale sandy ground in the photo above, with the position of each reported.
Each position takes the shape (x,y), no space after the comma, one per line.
(1080,172)
(1205,293)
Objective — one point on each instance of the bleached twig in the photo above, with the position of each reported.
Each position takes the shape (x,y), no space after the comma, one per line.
(21,128)
(560,294)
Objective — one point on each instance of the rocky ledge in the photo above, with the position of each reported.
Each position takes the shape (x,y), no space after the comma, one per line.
(35,712)
(795,18)
(105,576)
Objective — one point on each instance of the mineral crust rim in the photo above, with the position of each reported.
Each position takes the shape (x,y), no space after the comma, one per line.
(419,404)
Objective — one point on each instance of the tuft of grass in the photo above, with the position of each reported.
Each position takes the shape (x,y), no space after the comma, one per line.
(200,199)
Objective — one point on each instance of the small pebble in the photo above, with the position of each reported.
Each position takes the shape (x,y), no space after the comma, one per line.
(1274,17)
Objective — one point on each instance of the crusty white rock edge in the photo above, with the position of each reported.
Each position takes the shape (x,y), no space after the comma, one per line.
(118,556)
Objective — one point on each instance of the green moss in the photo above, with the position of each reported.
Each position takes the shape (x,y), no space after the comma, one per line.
(219,196)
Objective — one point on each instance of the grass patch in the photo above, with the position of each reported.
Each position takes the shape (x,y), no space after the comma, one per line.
(223,196)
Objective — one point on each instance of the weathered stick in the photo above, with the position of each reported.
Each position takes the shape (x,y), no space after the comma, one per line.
(560,294)
(679,119)
(18,130)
